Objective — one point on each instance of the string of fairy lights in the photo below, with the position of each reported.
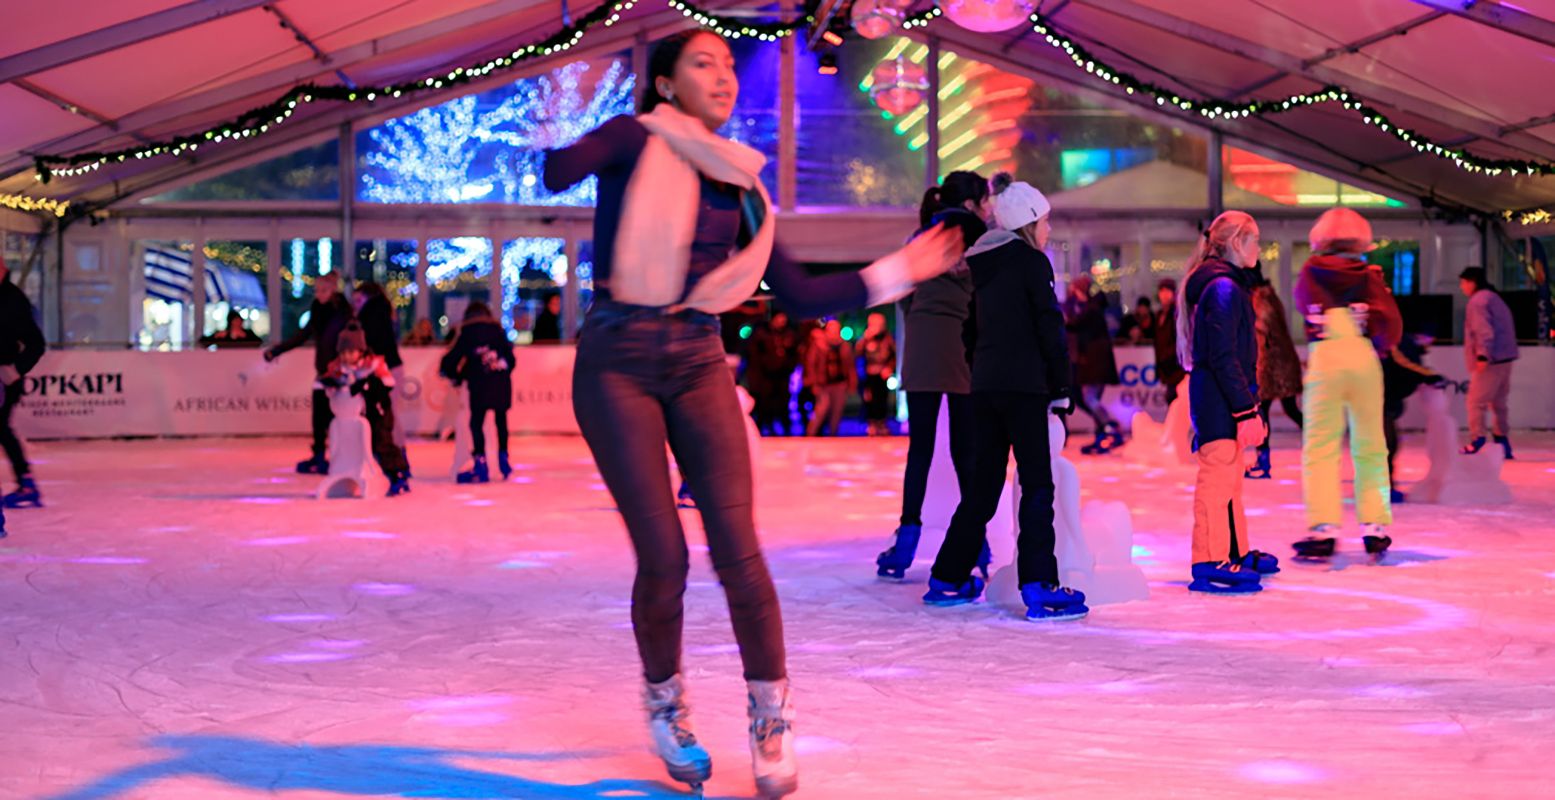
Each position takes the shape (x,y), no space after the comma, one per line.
(261,120)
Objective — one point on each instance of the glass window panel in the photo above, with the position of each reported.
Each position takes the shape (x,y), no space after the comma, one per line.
(21,252)
(302,262)
(235,281)
(756,113)
(458,273)
(488,147)
(312,173)
(585,277)
(850,152)
(533,271)
(392,263)
(1253,181)
(166,319)
(1400,262)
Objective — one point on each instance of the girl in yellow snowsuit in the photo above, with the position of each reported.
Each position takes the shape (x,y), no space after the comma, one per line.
(1351,319)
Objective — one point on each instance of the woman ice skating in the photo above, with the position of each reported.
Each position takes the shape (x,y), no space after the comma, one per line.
(1351,322)
(1279,367)
(1219,348)
(1095,364)
(482,359)
(683,232)
(358,370)
(1020,372)
(935,363)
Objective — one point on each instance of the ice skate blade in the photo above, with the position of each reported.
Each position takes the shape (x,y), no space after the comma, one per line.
(1067,615)
(693,775)
(1211,588)
(947,603)
(889,577)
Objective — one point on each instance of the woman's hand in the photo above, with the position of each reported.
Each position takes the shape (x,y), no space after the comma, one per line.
(1250,432)
(933,253)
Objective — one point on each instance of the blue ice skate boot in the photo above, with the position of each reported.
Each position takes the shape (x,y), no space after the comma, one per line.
(1259,471)
(1049,602)
(25,496)
(1224,577)
(683,497)
(1376,540)
(984,559)
(1506,447)
(399,484)
(2,521)
(1319,545)
(405,454)
(893,563)
(503,466)
(317,465)
(1395,497)
(942,593)
(1260,562)
(1474,446)
(478,472)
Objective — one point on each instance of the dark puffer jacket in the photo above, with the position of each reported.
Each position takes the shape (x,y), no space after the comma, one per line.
(939,323)
(1223,386)
(1020,343)
(482,357)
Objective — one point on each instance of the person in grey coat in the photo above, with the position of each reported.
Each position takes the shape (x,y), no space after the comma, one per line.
(1490,347)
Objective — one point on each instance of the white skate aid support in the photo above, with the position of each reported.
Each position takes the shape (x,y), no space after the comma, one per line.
(1094,544)
(352,472)
(1163,444)
(1456,479)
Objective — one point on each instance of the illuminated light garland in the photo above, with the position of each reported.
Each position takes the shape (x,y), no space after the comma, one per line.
(1225,109)
(261,120)
(922,18)
(1535,217)
(21,202)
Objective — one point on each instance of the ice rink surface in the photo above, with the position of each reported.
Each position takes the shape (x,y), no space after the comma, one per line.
(184,621)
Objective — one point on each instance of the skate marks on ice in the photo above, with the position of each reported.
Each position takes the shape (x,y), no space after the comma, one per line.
(356,770)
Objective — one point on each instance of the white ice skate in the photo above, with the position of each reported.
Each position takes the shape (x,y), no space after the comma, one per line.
(772,739)
(669,726)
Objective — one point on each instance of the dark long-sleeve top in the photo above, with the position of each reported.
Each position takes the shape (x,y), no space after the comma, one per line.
(611,152)
(1345,281)
(1020,342)
(325,322)
(1223,387)
(21,340)
(482,357)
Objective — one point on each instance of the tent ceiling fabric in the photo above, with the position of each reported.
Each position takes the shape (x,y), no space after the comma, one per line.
(1426,63)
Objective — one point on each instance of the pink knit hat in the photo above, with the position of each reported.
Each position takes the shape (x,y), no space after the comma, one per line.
(1342,230)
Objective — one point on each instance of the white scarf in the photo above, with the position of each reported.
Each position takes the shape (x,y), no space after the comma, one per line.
(659,217)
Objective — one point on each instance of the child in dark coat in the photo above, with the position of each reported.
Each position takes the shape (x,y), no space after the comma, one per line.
(482,358)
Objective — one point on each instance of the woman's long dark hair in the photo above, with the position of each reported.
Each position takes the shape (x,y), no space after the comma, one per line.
(661,64)
(956,189)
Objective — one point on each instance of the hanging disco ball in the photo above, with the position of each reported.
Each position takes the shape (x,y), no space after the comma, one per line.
(987,16)
(874,19)
(899,85)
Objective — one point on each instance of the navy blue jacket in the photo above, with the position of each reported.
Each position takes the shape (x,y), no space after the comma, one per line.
(1020,343)
(482,356)
(1223,388)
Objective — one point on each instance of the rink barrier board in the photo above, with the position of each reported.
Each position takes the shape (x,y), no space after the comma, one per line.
(104,394)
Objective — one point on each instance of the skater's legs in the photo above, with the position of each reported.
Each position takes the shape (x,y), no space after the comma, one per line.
(1025,417)
(501,417)
(622,422)
(707,433)
(398,394)
(1481,389)
(1323,435)
(322,416)
(922,427)
(1095,407)
(1500,391)
(1264,407)
(477,430)
(962,418)
(380,423)
(1219,521)
(8,438)
(1292,407)
(1368,442)
(969,525)
(838,403)
(1390,435)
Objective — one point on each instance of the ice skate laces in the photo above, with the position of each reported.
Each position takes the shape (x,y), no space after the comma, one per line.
(769,736)
(672,715)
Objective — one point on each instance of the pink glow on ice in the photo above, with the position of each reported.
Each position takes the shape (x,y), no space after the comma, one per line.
(886,672)
(521,479)
(299,618)
(714,649)
(307,658)
(1390,692)
(480,503)
(818,744)
(1433,729)
(336,644)
(385,589)
(520,564)
(598,487)
(1257,512)
(819,647)
(265,501)
(1284,772)
(169,529)
(460,702)
(271,480)
(108,560)
(369,535)
(474,719)
(276,541)
(885,493)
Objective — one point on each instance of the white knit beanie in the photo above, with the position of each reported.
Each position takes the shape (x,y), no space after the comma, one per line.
(1017,204)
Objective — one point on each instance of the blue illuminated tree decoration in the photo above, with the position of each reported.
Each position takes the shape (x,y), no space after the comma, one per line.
(487,147)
